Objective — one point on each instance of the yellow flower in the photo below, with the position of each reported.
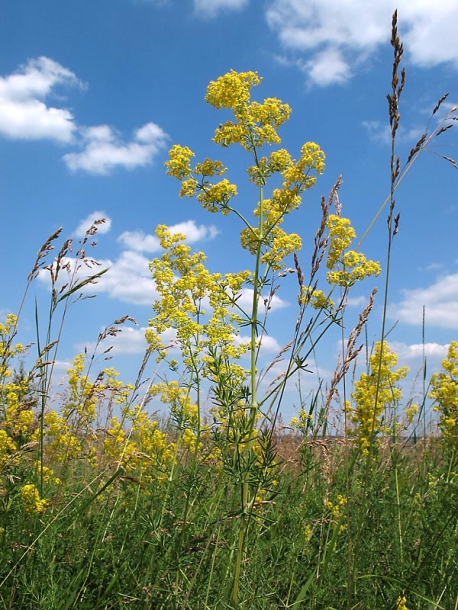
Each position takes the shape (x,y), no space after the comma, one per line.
(302,423)
(372,394)
(411,411)
(346,268)
(316,298)
(445,394)
(217,196)
(401,603)
(255,124)
(178,165)
(232,90)
(7,448)
(31,501)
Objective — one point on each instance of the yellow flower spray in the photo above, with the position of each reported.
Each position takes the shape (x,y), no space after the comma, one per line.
(444,392)
(373,394)
(201,308)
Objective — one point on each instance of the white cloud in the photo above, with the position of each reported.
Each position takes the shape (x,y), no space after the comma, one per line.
(86,224)
(434,351)
(381,132)
(270,345)
(338,36)
(128,278)
(210,8)
(23,113)
(246,299)
(440,301)
(328,67)
(129,341)
(194,232)
(104,150)
(360,301)
(139,241)
(430,36)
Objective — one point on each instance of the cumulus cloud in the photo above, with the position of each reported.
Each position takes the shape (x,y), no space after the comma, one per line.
(328,67)
(87,223)
(270,345)
(440,301)
(415,351)
(128,278)
(139,241)
(210,8)
(24,115)
(381,132)
(129,341)
(337,37)
(246,299)
(103,149)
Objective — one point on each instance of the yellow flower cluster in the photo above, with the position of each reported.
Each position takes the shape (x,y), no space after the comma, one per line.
(232,90)
(411,411)
(144,449)
(183,411)
(179,163)
(8,351)
(302,423)
(316,298)
(297,174)
(31,501)
(373,394)
(185,285)
(81,404)
(7,448)
(19,419)
(272,241)
(216,197)
(70,434)
(195,182)
(255,124)
(337,511)
(445,394)
(346,268)
(85,398)
(47,474)
(279,245)
(61,444)
(401,603)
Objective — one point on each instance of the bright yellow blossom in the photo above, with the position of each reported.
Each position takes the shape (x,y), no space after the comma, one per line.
(346,266)
(401,603)
(373,394)
(31,500)
(445,394)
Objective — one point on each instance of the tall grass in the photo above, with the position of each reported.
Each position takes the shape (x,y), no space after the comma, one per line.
(105,505)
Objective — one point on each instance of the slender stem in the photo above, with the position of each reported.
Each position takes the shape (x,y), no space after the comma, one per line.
(255,307)
(257,282)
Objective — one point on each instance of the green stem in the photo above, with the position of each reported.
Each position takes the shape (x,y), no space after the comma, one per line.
(253,388)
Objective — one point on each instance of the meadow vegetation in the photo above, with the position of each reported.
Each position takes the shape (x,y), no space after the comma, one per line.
(218,503)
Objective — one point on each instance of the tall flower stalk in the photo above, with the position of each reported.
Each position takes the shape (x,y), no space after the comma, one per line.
(207,339)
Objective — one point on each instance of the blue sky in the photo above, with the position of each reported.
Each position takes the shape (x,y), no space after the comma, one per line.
(93,94)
